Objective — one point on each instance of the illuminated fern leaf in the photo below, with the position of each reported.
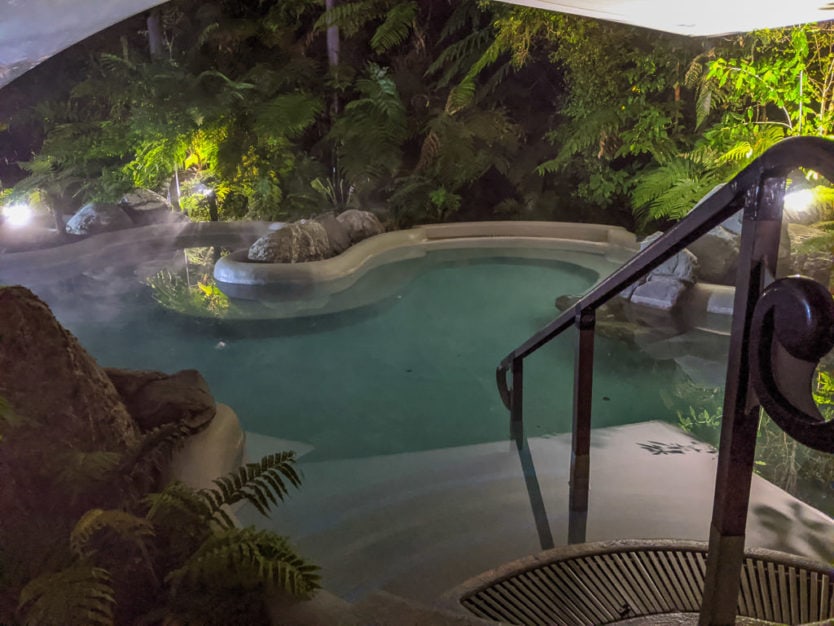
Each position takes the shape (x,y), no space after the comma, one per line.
(244,558)
(81,594)
(262,484)
(394,30)
(130,528)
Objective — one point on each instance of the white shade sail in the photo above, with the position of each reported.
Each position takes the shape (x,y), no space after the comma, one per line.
(695,18)
(31,31)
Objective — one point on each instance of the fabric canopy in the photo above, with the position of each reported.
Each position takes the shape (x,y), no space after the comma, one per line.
(695,18)
(31,31)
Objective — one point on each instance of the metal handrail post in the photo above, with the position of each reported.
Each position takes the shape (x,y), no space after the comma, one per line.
(582,389)
(760,234)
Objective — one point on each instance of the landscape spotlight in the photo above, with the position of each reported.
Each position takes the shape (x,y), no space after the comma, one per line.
(17,215)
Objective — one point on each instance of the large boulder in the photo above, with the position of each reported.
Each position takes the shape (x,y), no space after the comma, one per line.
(717,252)
(155,398)
(292,243)
(360,224)
(661,293)
(47,377)
(98,217)
(145,207)
(337,234)
(683,266)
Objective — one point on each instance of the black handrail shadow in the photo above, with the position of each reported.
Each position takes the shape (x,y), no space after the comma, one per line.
(534,492)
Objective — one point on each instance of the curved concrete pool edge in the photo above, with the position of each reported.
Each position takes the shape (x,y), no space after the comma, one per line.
(613,243)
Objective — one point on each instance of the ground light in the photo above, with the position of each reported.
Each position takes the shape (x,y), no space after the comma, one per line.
(17,215)
(798,203)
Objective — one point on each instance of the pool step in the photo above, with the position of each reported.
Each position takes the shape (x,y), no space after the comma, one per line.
(418,524)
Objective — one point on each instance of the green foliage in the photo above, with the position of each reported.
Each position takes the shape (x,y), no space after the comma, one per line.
(262,484)
(251,559)
(370,132)
(99,546)
(81,594)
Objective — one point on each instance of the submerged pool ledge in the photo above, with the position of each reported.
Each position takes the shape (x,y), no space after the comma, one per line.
(538,240)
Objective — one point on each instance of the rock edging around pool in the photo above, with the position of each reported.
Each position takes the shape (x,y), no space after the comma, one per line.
(613,243)
(319,287)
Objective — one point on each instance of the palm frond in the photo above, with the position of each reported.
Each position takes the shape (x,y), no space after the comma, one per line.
(81,594)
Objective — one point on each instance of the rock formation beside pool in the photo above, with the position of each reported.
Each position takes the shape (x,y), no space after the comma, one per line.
(315,240)
(145,207)
(98,217)
(694,288)
(360,224)
(140,207)
(48,378)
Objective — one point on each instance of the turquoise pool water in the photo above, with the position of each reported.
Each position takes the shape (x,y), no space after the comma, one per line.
(414,371)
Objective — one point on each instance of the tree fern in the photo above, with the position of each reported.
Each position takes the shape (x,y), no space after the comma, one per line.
(288,114)
(80,595)
(672,189)
(372,128)
(396,27)
(262,484)
(457,58)
(350,17)
(246,558)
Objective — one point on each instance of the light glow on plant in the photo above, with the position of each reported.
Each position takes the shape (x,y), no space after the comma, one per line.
(799,201)
(17,215)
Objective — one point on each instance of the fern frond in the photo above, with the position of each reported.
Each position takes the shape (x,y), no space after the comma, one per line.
(671,190)
(460,96)
(81,594)
(454,56)
(394,30)
(350,17)
(246,558)
(177,506)
(263,483)
(132,529)
(287,114)
(153,451)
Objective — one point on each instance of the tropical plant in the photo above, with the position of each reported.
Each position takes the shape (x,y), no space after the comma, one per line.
(99,546)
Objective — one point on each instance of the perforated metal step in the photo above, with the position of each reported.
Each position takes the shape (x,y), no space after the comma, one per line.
(612,582)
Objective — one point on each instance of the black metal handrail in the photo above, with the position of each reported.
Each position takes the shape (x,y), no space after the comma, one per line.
(759,191)
(807,152)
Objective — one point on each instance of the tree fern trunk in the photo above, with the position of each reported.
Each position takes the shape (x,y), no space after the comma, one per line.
(155,45)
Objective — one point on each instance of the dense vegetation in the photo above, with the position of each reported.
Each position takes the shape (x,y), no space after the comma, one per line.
(422,111)
(95,536)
